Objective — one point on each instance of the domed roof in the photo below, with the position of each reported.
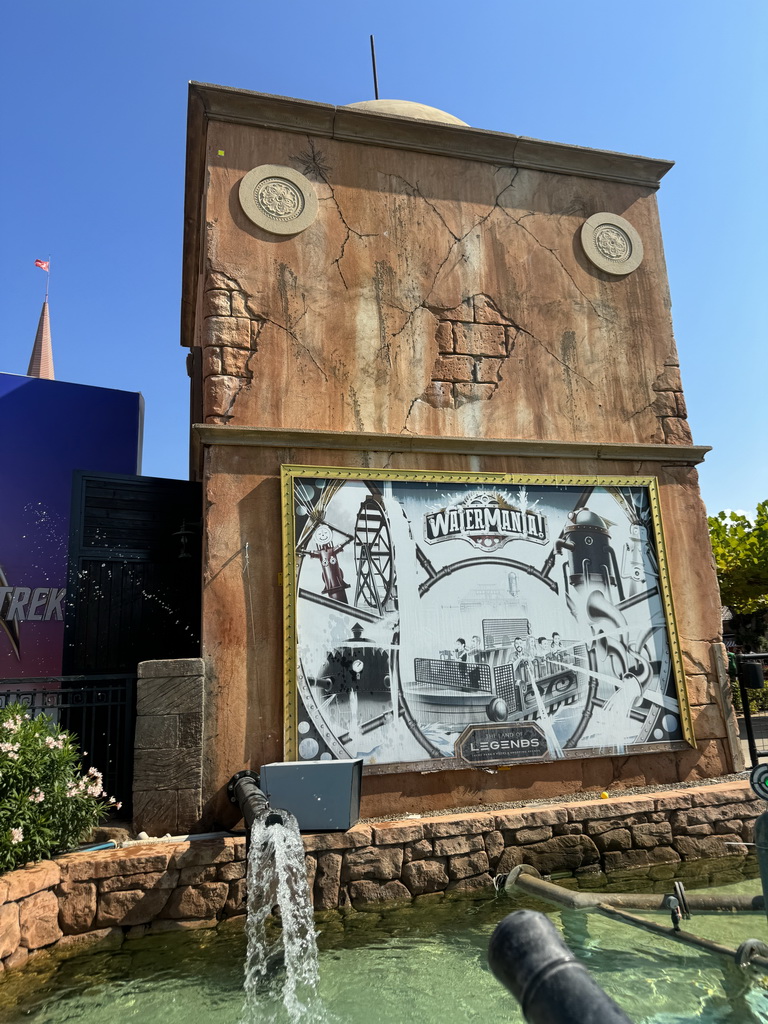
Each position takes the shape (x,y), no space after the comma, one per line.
(585,517)
(406,108)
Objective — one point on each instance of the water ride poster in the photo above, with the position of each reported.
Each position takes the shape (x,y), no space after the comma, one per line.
(449,620)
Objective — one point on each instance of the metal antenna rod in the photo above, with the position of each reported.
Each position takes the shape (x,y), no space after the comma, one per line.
(375,76)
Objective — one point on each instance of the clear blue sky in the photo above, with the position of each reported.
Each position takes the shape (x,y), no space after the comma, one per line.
(94,120)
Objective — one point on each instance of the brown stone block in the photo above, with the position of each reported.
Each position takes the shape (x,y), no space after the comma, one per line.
(455,845)
(690,847)
(155,811)
(511,857)
(470,884)
(733,826)
(197,901)
(77,906)
(229,331)
(444,338)
(725,793)
(454,368)
(468,864)
(164,926)
(137,860)
(425,876)
(366,891)
(544,816)
(561,853)
(707,722)
(237,869)
(39,920)
(310,864)
(487,313)
(198,875)
(104,938)
(596,828)
(487,370)
(18,958)
(464,311)
(239,304)
(203,851)
(437,828)
(706,762)
(358,835)
(9,929)
(494,847)
(479,340)
(382,862)
(128,908)
(417,851)
(673,801)
(220,393)
(646,837)
(701,690)
(668,380)
(616,839)
(439,395)
(167,769)
(172,669)
(327,880)
(217,303)
(156,732)
(169,695)
(216,279)
(697,657)
(676,431)
(533,835)
(664,404)
(26,881)
(625,860)
(234,362)
(466,393)
(3,890)
(682,408)
(611,808)
(396,832)
(237,897)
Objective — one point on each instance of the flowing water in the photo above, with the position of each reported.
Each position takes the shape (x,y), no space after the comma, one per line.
(283,968)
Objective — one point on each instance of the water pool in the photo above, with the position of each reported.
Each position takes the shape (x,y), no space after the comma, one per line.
(423,964)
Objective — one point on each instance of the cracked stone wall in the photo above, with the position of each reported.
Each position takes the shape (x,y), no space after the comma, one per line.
(432,296)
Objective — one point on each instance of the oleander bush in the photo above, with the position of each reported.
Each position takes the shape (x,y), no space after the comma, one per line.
(48,803)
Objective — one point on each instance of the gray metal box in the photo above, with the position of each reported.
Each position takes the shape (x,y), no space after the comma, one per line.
(323,796)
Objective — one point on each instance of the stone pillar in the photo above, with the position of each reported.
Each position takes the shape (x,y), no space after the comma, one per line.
(168,750)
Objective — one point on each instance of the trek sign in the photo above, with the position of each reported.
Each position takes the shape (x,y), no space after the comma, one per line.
(500,744)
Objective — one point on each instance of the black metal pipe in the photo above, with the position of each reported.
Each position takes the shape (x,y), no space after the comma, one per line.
(243,789)
(527,955)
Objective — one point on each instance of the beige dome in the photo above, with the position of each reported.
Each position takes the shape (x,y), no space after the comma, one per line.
(406,108)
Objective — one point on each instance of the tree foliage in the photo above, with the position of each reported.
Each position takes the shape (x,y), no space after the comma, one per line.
(740,547)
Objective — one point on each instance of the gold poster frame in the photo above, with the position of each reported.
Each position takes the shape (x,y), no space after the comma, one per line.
(289,473)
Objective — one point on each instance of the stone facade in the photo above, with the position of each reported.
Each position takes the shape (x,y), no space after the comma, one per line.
(635,843)
(441,314)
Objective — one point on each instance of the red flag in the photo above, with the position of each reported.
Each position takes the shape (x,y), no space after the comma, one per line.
(44,265)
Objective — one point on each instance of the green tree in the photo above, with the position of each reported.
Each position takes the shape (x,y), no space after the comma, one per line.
(741,556)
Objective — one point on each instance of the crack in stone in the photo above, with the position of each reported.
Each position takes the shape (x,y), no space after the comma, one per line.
(321,169)
(554,356)
(404,428)
(554,255)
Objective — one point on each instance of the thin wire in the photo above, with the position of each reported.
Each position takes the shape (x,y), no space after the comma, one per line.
(375,76)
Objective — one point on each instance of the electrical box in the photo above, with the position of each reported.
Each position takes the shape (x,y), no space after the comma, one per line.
(323,796)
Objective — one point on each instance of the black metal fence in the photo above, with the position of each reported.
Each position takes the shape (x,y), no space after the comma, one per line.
(99,710)
(751,670)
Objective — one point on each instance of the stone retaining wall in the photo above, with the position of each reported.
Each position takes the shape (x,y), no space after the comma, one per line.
(104,896)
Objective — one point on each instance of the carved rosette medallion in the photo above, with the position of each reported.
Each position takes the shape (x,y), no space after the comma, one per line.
(278,199)
(612,244)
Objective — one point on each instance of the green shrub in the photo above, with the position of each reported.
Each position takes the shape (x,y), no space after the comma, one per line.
(47,803)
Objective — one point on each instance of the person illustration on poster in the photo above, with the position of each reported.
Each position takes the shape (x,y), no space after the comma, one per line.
(335,586)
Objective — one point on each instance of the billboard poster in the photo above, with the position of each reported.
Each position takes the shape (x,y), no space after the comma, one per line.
(52,429)
(449,620)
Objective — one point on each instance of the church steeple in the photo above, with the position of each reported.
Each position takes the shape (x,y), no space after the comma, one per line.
(41,360)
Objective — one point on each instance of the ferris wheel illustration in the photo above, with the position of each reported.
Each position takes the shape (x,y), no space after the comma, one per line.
(374,558)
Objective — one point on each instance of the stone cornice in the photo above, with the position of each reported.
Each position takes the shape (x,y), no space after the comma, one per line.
(258,437)
(238,106)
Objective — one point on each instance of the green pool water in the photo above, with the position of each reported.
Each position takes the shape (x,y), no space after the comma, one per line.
(423,964)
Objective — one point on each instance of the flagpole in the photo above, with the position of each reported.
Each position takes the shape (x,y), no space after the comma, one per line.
(48,277)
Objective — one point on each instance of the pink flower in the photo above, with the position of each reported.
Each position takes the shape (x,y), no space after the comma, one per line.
(17,834)
(118,805)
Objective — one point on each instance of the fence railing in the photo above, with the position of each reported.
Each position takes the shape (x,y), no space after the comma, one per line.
(755,722)
(100,710)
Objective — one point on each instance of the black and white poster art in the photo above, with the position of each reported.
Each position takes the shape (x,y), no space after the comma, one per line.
(476,619)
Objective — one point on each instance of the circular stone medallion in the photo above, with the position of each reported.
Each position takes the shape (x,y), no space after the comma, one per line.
(278,199)
(611,243)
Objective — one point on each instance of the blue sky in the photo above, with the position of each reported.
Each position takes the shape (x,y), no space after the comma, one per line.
(94,125)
